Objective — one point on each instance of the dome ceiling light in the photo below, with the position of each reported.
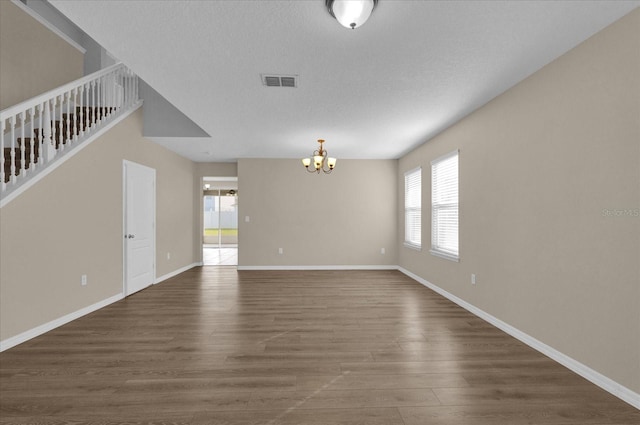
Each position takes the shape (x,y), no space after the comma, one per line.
(351,13)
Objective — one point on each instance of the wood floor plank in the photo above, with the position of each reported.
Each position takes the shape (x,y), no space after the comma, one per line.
(563,378)
(379,382)
(522,394)
(322,398)
(369,416)
(216,384)
(452,366)
(323,346)
(335,356)
(116,419)
(218,346)
(519,414)
(471,353)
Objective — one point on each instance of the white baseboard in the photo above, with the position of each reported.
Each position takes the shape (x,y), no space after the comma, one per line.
(318,267)
(44,328)
(176,272)
(39,330)
(586,372)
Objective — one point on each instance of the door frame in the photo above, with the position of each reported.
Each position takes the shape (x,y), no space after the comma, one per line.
(126,163)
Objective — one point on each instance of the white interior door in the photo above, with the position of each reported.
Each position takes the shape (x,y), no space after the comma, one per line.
(139,226)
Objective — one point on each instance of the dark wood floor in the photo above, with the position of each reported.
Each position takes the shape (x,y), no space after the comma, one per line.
(217,346)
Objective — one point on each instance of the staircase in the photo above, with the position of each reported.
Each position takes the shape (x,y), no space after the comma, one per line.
(39,133)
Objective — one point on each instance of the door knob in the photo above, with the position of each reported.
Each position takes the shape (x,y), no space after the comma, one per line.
(130,236)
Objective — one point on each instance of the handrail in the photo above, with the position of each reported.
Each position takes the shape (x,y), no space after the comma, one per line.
(36,100)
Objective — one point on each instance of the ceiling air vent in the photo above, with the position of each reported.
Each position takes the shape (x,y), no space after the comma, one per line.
(280,80)
(288,81)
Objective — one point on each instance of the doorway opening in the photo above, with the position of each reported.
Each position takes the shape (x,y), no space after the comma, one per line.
(220,221)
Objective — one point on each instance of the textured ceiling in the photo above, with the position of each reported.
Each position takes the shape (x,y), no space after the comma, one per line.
(412,70)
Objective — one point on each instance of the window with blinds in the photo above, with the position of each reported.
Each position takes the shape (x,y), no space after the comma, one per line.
(413,208)
(444,206)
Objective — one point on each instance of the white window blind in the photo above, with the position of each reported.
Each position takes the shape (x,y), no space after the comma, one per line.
(444,206)
(413,208)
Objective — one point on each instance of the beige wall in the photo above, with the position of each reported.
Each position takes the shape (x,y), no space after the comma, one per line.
(32,59)
(539,167)
(70,224)
(344,218)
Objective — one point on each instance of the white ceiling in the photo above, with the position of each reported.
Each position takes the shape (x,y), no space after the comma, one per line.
(412,70)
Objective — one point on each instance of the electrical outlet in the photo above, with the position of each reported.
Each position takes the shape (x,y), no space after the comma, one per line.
(83,280)
(473,279)
(168,256)
(246,219)
(280,251)
(383,251)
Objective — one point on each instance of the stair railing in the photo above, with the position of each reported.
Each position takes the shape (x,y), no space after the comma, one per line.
(35,132)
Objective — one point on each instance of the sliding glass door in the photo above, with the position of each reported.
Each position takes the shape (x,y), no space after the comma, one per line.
(221,218)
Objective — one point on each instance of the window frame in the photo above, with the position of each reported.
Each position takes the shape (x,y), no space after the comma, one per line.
(412,209)
(437,227)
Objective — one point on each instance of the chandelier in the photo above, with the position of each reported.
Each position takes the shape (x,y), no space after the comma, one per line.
(320,161)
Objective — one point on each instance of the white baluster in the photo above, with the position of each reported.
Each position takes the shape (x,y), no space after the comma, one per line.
(105,96)
(82,93)
(93,103)
(103,90)
(121,93)
(131,92)
(31,140)
(60,122)
(75,115)
(102,93)
(52,111)
(3,185)
(98,100)
(112,93)
(60,140)
(48,131)
(41,135)
(96,109)
(86,99)
(23,146)
(12,123)
(115,101)
(111,90)
(68,135)
(123,82)
(116,92)
(87,103)
(127,88)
